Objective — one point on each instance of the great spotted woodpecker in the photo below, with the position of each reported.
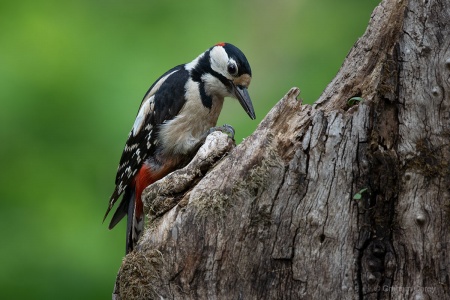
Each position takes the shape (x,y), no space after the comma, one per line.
(176,114)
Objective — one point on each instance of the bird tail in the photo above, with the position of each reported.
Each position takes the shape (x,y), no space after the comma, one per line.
(135,223)
(131,206)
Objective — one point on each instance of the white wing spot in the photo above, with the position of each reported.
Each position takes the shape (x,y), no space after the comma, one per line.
(128,171)
(140,118)
(138,156)
(130,148)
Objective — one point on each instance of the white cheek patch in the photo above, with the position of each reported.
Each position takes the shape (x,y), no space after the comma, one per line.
(214,86)
(219,61)
(146,107)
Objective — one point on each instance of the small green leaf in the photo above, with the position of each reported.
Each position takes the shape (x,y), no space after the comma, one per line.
(358,195)
(352,101)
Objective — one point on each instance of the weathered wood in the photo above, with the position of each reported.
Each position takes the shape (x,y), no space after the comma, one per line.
(277,217)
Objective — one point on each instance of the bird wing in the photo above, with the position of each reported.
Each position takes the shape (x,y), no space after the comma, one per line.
(162,102)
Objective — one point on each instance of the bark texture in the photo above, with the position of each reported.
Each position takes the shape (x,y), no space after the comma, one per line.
(339,200)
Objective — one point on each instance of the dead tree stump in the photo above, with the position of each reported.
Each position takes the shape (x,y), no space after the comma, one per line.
(345,199)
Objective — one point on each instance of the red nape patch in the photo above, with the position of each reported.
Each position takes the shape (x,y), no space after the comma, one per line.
(220,44)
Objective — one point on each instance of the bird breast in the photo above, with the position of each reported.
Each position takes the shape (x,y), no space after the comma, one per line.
(183,133)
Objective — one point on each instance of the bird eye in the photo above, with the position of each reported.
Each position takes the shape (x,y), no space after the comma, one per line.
(232,69)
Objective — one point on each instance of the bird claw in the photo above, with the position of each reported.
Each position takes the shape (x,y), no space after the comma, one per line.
(228,129)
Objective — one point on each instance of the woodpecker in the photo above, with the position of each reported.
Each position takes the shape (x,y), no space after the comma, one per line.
(176,114)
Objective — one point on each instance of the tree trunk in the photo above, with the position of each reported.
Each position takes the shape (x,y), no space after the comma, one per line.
(339,200)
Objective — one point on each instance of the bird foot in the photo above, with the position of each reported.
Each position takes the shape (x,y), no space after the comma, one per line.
(228,129)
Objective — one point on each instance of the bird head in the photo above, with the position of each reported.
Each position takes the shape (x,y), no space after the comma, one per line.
(227,72)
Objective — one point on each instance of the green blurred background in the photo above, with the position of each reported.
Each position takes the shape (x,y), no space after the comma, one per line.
(72,75)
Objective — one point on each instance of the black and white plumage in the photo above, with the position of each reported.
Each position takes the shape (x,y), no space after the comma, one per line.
(173,120)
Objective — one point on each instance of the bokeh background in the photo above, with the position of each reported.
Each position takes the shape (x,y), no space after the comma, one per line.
(72,75)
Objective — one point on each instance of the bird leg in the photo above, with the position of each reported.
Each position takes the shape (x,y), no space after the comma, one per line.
(227,129)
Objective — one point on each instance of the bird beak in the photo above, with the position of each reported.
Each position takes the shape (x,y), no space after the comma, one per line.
(242,95)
